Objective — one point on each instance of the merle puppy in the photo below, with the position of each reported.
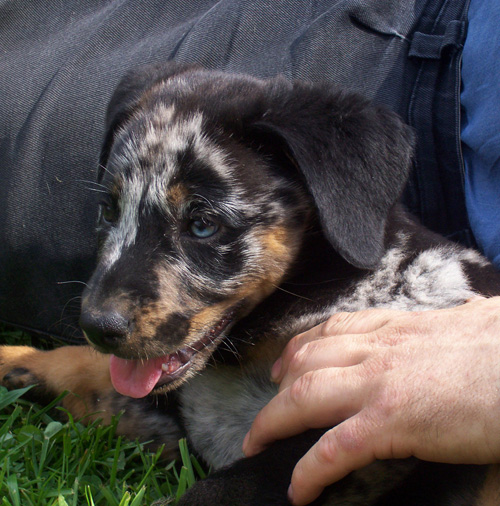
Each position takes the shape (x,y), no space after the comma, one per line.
(239,212)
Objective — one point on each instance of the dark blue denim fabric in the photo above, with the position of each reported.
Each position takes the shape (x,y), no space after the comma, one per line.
(481,124)
(436,190)
(61,60)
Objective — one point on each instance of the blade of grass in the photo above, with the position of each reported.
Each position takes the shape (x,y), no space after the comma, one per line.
(7,398)
(186,462)
(88,496)
(181,489)
(114,468)
(138,498)
(201,473)
(125,499)
(13,489)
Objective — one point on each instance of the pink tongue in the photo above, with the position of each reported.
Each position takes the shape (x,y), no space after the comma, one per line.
(135,378)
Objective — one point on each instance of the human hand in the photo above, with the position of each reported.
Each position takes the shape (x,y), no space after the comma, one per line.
(392,384)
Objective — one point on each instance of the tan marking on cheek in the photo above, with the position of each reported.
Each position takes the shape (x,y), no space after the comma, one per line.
(207,318)
(280,246)
(279,243)
(489,494)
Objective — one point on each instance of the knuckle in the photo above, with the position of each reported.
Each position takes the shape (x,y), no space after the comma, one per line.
(327,448)
(393,335)
(380,363)
(302,388)
(336,323)
(371,368)
(299,360)
(353,437)
(382,375)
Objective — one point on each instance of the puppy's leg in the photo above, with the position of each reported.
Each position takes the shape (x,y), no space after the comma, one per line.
(264,479)
(78,369)
(84,373)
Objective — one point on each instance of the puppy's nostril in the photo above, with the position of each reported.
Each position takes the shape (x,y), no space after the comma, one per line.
(106,330)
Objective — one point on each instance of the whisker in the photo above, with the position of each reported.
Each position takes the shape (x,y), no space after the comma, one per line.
(106,170)
(86,181)
(73,281)
(291,293)
(230,346)
(244,341)
(78,297)
(96,190)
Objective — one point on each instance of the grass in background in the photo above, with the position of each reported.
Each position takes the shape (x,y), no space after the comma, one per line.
(45,462)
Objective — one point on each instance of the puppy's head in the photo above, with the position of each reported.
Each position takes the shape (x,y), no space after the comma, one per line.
(210,180)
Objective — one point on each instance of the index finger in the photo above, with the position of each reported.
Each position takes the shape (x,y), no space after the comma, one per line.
(342,449)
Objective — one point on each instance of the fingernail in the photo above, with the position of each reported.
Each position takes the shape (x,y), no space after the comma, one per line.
(276,369)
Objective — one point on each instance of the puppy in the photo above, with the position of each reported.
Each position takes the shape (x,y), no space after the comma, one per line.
(239,212)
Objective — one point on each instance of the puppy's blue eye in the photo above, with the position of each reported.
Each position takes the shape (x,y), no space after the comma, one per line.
(202,228)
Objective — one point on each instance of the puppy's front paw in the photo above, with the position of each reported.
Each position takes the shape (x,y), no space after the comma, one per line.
(18,370)
(77,369)
(15,366)
(19,377)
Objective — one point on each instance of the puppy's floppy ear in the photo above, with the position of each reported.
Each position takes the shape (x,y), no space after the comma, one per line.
(354,157)
(127,94)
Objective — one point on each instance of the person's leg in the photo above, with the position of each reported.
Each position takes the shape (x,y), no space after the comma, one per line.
(480,124)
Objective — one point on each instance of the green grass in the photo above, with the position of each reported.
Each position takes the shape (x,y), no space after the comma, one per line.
(45,462)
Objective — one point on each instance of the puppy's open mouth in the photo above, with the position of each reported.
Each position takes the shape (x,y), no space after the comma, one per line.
(138,378)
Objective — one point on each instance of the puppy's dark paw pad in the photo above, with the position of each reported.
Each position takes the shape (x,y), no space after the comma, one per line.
(19,377)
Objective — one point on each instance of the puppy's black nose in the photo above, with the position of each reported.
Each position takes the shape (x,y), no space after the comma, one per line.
(106,330)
